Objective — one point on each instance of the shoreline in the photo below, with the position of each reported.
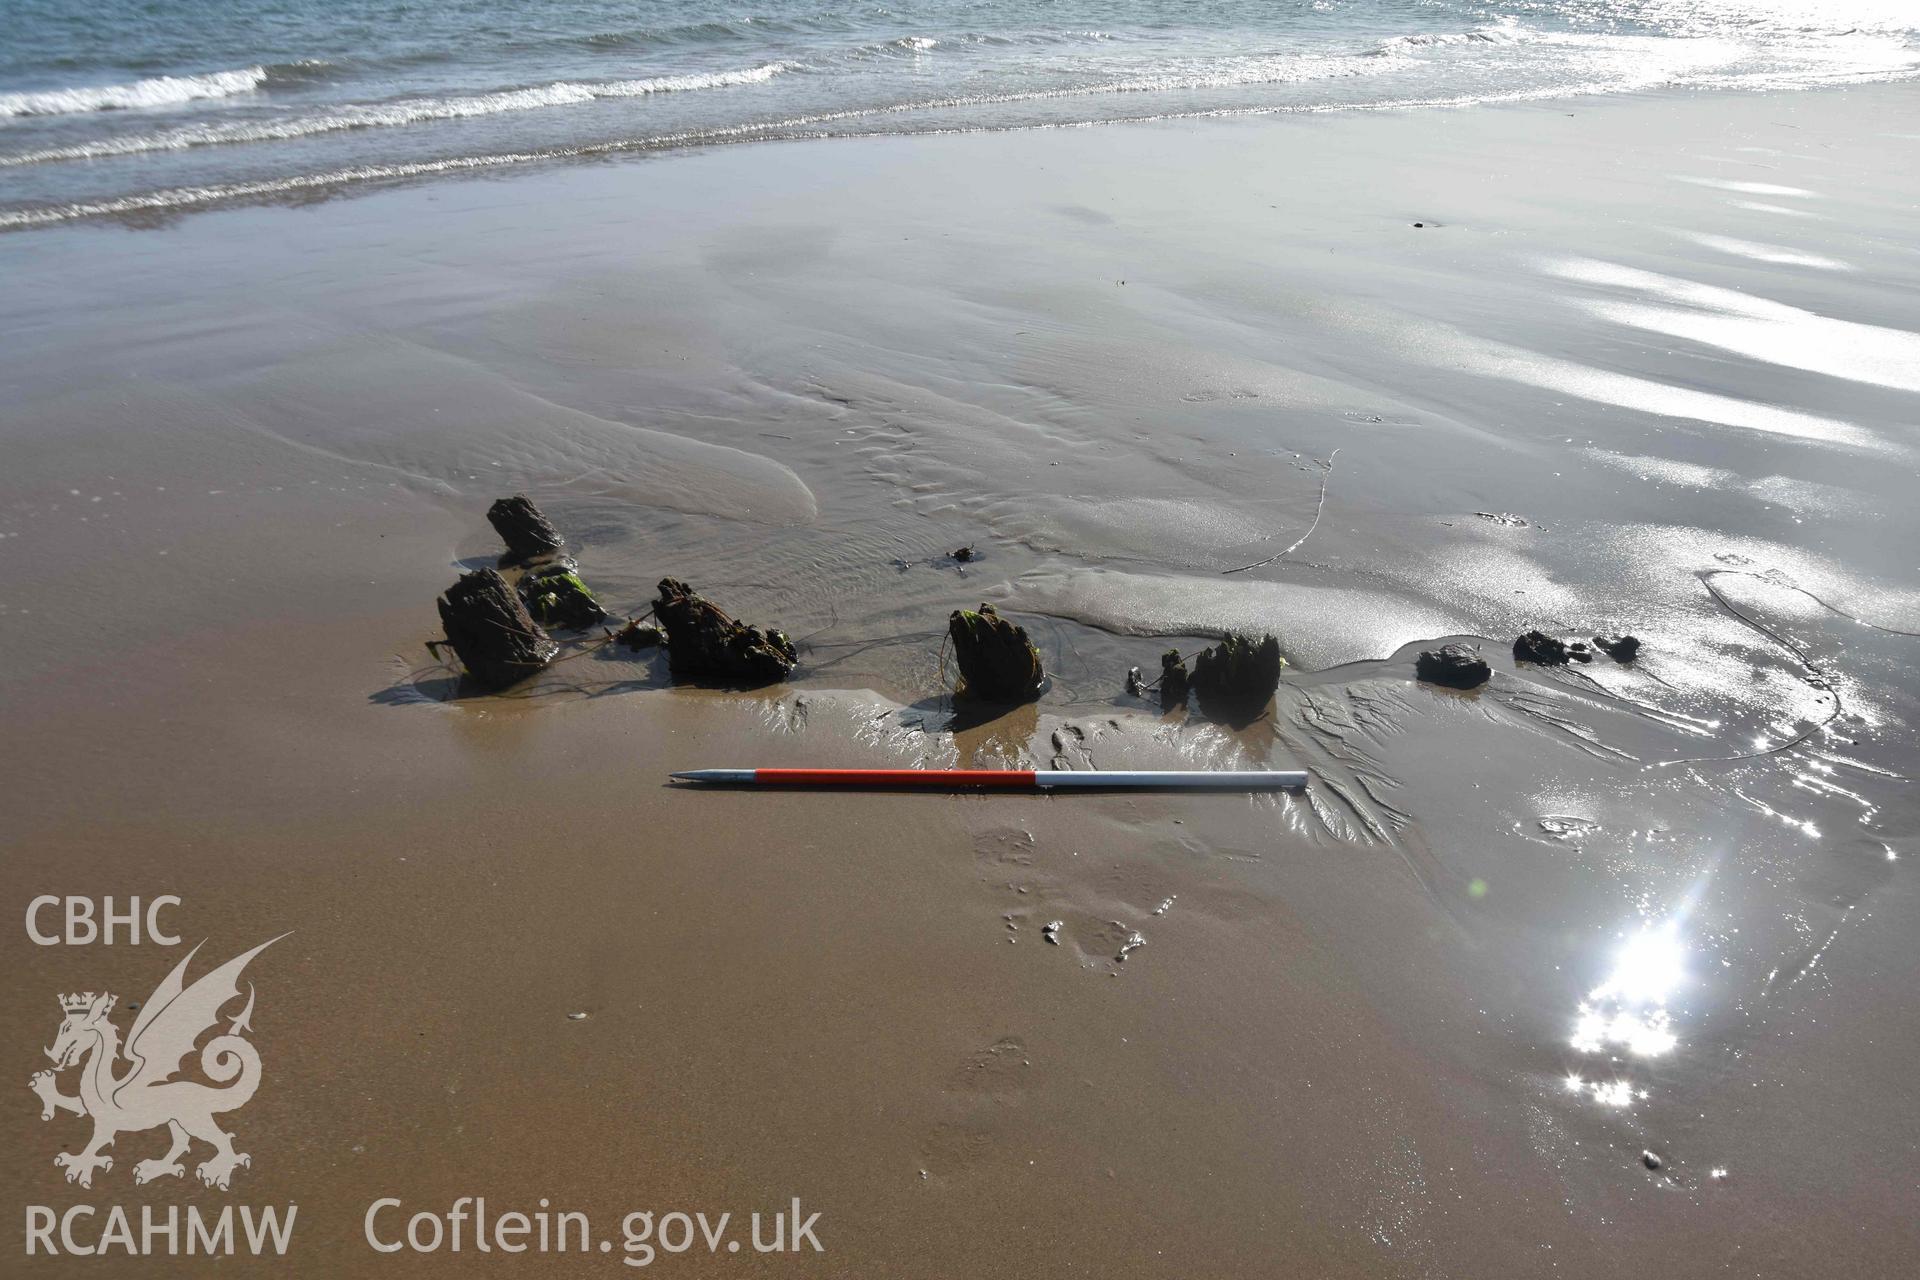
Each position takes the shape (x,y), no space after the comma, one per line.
(155,209)
(1119,361)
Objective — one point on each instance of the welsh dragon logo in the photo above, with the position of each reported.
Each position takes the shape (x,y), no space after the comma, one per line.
(146,1095)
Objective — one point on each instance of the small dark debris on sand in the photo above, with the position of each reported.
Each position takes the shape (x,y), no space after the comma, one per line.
(490,631)
(1454,665)
(1538,646)
(527,533)
(1579,652)
(964,555)
(641,635)
(558,598)
(1238,675)
(703,641)
(1619,648)
(1173,681)
(997,661)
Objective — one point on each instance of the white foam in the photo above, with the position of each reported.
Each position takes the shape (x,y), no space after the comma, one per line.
(393,114)
(190,197)
(159,91)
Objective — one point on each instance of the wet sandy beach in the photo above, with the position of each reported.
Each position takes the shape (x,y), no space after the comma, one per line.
(1645,364)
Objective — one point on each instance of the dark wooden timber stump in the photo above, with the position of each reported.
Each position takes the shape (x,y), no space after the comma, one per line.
(1236,677)
(1619,648)
(1538,646)
(528,534)
(491,632)
(703,641)
(997,661)
(1453,665)
(1173,681)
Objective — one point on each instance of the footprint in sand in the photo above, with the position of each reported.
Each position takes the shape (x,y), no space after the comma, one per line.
(977,1105)
(1003,851)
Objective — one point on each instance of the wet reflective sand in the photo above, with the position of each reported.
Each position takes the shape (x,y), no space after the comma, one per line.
(1430,1017)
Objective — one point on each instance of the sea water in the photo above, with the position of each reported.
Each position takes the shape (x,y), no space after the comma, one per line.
(155,106)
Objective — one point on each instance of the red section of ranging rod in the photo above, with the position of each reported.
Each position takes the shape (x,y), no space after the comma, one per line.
(1014,779)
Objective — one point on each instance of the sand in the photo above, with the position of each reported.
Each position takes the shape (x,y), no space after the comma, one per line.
(1647,364)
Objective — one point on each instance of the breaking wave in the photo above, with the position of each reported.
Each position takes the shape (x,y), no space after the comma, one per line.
(1255,71)
(156,91)
(1500,33)
(391,115)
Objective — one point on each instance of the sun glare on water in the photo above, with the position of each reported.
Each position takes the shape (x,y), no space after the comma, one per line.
(1628,1011)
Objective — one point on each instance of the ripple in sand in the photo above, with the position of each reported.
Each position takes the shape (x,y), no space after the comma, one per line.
(1168,530)
(1773,254)
(1441,347)
(1758,206)
(458,427)
(1644,395)
(1318,626)
(1806,497)
(1758,328)
(1753,188)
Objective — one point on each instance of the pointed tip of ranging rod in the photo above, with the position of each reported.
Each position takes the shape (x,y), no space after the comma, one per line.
(713,775)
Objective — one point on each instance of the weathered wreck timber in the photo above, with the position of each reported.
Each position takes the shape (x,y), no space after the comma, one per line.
(704,641)
(997,661)
(527,533)
(1237,676)
(490,631)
